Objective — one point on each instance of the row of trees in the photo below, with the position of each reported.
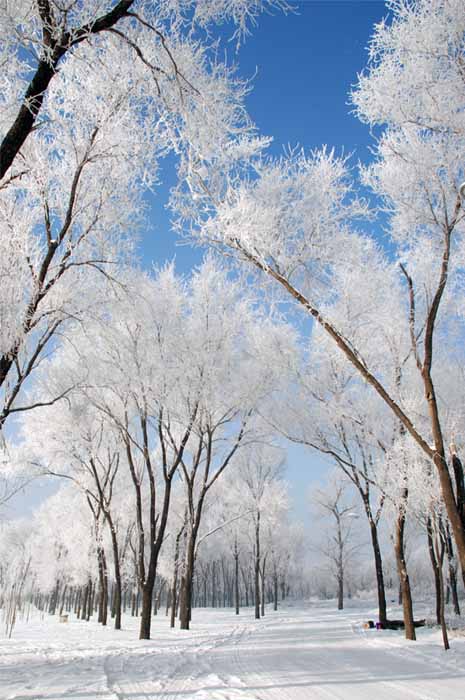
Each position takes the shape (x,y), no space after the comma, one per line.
(167,387)
(176,392)
(59,569)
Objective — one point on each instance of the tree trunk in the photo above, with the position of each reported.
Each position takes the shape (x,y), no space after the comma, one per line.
(63,597)
(84,603)
(453,588)
(158,597)
(90,601)
(340,563)
(213,584)
(146,612)
(340,591)
(117,571)
(435,566)
(439,551)
(452,569)
(54,599)
(402,571)
(77,603)
(379,572)
(103,592)
(275,591)
(246,586)
(236,577)
(262,575)
(185,601)
(451,507)
(174,586)
(174,601)
(257,568)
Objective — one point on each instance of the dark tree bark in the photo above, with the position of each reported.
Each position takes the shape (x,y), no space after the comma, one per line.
(340,592)
(103,587)
(379,574)
(187,578)
(257,567)
(439,546)
(56,44)
(236,576)
(77,602)
(435,567)
(459,485)
(85,602)
(116,606)
(213,584)
(245,581)
(90,600)
(262,577)
(63,599)
(174,585)
(452,576)
(54,599)
(185,591)
(275,590)
(402,571)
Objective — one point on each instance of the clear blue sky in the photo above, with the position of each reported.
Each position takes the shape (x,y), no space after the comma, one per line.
(305,65)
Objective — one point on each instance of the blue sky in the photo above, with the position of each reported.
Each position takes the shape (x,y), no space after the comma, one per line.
(305,65)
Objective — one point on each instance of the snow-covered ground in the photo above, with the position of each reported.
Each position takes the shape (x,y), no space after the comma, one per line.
(309,652)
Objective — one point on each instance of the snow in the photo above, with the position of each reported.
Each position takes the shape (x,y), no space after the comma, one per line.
(307,651)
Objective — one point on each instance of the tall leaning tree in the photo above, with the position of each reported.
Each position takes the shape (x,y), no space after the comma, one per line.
(291,221)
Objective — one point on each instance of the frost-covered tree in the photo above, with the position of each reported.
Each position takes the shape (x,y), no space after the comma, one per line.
(73,440)
(41,39)
(228,337)
(338,546)
(74,171)
(292,221)
(258,470)
(167,384)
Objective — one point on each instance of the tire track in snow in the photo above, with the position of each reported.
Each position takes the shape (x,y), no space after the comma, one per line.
(293,676)
(262,679)
(134,674)
(210,685)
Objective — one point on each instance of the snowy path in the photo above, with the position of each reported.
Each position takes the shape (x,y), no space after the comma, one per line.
(311,653)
